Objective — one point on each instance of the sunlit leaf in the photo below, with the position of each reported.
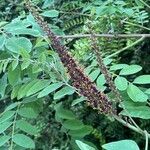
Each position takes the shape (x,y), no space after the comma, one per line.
(132,69)
(26,127)
(121,83)
(50,89)
(4,139)
(121,145)
(23,141)
(136,94)
(84,146)
(50,13)
(144,79)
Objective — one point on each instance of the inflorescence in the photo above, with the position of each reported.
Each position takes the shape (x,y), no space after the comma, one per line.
(95,98)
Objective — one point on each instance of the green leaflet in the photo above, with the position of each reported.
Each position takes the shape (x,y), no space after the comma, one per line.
(84,146)
(100,82)
(142,112)
(77,101)
(3,85)
(23,141)
(22,91)
(47,3)
(121,145)
(50,13)
(14,75)
(130,70)
(80,133)
(4,126)
(4,139)
(2,41)
(15,44)
(93,75)
(6,116)
(41,84)
(121,83)
(49,89)
(27,112)
(144,79)
(73,124)
(26,127)
(136,94)
(67,90)
(118,67)
(64,113)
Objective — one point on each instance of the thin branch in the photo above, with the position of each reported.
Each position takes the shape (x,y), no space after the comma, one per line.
(130,126)
(136,25)
(75,13)
(145,3)
(127,47)
(105,36)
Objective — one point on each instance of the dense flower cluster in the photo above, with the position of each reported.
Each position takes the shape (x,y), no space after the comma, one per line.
(96,99)
(103,68)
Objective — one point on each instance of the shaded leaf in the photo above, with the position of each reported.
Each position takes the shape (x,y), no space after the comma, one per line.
(81,132)
(73,124)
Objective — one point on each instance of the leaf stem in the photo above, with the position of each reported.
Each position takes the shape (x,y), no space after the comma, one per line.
(146,141)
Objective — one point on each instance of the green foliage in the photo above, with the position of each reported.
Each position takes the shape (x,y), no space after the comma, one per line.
(39,106)
(121,145)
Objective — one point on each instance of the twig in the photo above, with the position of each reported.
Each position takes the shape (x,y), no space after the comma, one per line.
(145,3)
(130,126)
(105,36)
(75,13)
(136,25)
(127,47)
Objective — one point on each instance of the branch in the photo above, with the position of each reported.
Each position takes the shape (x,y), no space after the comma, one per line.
(145,3)
(105,36)
(131,126)
(127,47)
